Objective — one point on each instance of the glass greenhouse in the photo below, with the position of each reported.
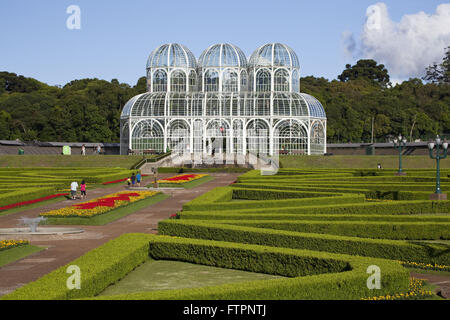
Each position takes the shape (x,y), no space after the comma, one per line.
(253,105)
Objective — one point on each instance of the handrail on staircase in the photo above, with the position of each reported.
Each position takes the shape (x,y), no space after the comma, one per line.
(145,160)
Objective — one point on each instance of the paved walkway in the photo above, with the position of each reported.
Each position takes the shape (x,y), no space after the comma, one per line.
(443,282)
(63,249)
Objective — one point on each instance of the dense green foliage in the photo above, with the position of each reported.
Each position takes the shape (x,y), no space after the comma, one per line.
(85,110)
(439,73)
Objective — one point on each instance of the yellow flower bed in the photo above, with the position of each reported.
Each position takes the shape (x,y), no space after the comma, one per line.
(426,266)
(8,244)
(177,180)
(99,205)
(415,292)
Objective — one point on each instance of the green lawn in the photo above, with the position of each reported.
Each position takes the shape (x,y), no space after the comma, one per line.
(164,275)
(10,255)
(360,162)
(88,161)
(108,217)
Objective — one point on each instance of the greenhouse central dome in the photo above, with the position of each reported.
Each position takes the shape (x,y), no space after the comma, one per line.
(253,106)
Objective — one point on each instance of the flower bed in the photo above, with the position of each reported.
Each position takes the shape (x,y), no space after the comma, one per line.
(425,266)
(100,205)
(415,292)
(8,244)
(182,178)
(24,203)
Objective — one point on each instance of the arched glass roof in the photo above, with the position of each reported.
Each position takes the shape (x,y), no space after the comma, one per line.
(284,104)
(315,107)
(129,105)
(171,55)
(222,55)
(274,55)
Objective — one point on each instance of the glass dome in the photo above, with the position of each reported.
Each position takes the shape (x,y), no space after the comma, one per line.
(314,106)
(274,55)
(171,55)
(222,55)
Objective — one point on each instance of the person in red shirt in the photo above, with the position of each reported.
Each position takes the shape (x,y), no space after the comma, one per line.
(83,189)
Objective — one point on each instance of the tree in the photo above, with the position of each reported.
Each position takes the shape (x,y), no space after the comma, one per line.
(439,74)
(367,70)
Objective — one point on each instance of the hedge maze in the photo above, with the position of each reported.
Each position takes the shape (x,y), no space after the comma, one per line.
(359,213)
(319,229)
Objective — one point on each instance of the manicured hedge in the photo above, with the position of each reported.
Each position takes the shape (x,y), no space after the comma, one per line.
(364,229)
(344,278)
(272,194)
(342,285)
(267,204)
(220,210)
(372,193)
(99,268)
(25,194)
(231,215)
(388,249)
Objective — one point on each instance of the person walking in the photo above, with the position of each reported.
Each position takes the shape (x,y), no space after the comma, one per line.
(99,149)
(83,150)
(83,189)
(73,189)
(133,180)
(138,179)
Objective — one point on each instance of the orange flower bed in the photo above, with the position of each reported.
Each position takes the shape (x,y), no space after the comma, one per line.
(100,205)
(182,178)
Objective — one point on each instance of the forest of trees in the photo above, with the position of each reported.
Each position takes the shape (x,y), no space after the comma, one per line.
(88,110)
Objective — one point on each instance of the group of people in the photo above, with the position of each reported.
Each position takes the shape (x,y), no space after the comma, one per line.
(97,150)
(74,189)
(135,180)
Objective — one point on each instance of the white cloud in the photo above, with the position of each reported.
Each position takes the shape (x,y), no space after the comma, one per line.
(406,47)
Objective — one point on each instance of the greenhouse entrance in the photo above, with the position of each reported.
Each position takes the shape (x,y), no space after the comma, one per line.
(218,137)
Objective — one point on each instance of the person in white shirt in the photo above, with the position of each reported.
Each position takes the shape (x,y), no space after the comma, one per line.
(73,189)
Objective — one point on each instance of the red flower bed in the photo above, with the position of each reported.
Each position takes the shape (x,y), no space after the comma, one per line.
(184,177)
(121,180)
(106,202)
(18,204)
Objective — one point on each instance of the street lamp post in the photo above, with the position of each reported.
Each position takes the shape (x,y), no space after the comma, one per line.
(441,153)
(399,144)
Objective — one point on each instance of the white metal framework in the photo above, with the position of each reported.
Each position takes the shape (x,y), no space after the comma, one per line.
(253,105)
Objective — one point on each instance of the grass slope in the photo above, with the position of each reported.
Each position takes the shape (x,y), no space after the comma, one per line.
(88,161)
(165,275)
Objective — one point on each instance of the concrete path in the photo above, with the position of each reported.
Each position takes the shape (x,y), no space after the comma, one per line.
(63,249)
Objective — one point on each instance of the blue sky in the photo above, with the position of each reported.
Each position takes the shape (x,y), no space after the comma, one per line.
(116,37)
